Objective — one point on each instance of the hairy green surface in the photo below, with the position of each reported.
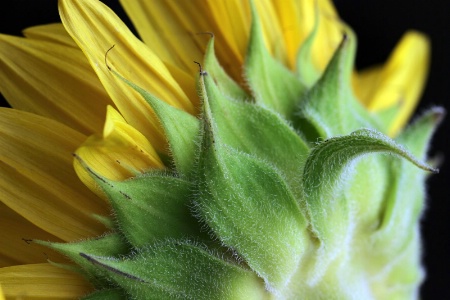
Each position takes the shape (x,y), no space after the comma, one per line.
(289,191)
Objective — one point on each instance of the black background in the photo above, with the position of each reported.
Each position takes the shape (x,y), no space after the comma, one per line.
(379,24)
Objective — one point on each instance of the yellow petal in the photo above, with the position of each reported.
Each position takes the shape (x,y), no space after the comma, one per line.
(95,28)
(329,34)
(165,38)
(52,80)
(365,83)
(122,152)
(296,24)
(228,20)
(297,21)
(399,82)
(272,28)
(54,33)
(42,281)
(14,250)
(37,179)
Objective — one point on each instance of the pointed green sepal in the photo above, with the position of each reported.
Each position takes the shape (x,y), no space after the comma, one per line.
(151,207)
(215,70)
(401,211)
(327,167)
(272,84)
(179,270)
(329,108)
(107,221)
(417,136)
(258,131)
(107,245)
(403,270)
(385,117)
(248,205)
(406,195)
(111,294)
(180,128)
(306,70)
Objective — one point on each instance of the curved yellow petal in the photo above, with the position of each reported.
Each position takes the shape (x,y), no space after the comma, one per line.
(37,179)
(296,24)
(329,36)
(399,82)
(286,24)
(42,281)
(95,28)
(52,80)
(55,33)
(122,152)
(165,38)
(228,20)
(272,29)
(297,20)
(14,246)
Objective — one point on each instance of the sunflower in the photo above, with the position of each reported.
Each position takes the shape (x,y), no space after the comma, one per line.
(88,130)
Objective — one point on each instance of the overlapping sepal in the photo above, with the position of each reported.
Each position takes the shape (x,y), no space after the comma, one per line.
(269,192)
(178,270)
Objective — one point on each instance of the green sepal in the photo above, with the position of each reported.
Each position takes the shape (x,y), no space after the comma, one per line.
(248,205)
(179,270)
(306,70)
(257,131)
(74,268)
(214,69)
(180,128)
(151,207)
(107,221)
(403,270)
(417,136)
(329,108)
(406,196)
(386,116)
(272,84)
(327,167)
(110,294)
(107,245)
(403,205)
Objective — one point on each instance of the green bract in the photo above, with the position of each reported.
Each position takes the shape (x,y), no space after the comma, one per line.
(288,189)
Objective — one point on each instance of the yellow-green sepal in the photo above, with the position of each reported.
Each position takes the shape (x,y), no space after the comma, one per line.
(257,131)
(403,270)
(151,207)
(109,245)
(406,196)
(271,83)
(417,136)
(386,116)
(179,270)
(329,108)
(107,221)
(326,170)
(247,203)
(180,128)
(227,85)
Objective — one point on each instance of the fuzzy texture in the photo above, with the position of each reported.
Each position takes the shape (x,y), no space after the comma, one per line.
(276,182)
(287,216)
